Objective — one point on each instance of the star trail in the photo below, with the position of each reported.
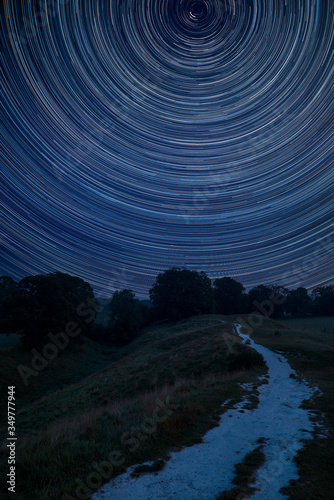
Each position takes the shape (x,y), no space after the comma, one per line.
(138,135)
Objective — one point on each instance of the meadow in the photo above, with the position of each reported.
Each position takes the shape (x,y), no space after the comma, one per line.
(96,410)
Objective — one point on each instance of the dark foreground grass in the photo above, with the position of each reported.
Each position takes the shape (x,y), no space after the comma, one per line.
(308,343)
(75,363)
(165,392)
(245,476)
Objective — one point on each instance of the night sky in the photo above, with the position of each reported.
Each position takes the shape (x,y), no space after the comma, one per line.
(138,135)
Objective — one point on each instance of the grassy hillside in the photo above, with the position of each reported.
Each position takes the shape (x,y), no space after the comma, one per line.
(75,363)
(95,410)
(308,343)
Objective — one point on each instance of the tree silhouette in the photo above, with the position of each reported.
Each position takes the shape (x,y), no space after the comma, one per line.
(178,293)
(323,300)
(229,296)
(268,300)
(46,303)
(7,288)
(298,302)
(127,316)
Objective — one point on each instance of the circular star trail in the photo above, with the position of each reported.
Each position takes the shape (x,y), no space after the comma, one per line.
(143,134)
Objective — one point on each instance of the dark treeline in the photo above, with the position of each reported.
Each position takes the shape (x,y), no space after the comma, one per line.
(39,306)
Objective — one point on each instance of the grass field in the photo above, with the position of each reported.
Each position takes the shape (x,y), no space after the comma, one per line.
(98,408)
(161,392)
(321,328)
(12,340)
(72,366)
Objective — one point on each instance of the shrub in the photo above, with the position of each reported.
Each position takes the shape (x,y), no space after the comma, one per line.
(245,359)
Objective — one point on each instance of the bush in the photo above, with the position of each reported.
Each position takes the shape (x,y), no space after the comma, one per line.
(245,359)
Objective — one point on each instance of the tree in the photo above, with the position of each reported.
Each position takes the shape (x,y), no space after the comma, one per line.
(7,288)
(126,317)
(323,300)
(46,303)
(278,296)
(229,296)
(269,301)
(178,293)
(298,302)
(257,296)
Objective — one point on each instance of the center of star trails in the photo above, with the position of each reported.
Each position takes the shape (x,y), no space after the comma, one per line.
(198,10)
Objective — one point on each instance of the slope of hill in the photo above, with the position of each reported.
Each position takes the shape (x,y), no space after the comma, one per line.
(145,400)
(161,392)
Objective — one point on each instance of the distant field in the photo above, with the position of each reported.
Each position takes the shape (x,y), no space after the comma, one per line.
(12,340)
(321,327)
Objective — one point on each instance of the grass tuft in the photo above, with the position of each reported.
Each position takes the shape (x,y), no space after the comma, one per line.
(144,468)
(245,476)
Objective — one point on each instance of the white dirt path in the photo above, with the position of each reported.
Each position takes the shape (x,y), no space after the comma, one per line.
(204,470)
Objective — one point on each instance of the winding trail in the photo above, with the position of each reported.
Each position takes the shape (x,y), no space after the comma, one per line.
(204,470)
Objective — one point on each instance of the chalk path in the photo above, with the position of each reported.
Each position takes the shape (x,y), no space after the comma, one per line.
(204,470)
